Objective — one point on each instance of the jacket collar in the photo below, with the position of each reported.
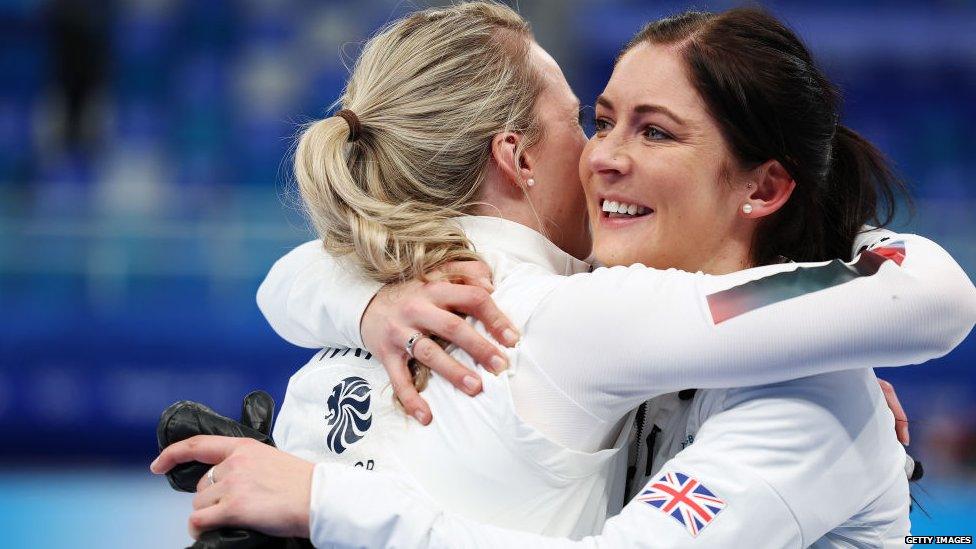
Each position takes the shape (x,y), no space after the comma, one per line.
(520,242)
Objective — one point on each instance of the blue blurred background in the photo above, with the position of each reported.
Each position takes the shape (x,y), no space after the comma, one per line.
(144,193)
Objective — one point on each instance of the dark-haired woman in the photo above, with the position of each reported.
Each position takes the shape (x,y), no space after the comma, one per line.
(678,177)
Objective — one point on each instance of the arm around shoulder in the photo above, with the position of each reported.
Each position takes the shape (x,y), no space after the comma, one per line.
(312,299)
(943,294)
(362,508)
(646,331)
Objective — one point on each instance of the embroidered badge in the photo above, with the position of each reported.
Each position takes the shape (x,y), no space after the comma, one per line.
(684,499)
(349,415)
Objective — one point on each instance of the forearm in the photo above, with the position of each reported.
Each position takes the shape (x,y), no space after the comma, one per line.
(355,507)
(649,332)
(312,299)
(369,509)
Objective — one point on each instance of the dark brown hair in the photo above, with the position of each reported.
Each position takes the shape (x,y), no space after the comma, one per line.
(770,100)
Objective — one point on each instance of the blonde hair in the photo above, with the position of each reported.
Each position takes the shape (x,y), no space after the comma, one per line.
(430,90)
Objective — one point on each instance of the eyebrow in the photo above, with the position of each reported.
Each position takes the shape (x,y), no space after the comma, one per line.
(645,108)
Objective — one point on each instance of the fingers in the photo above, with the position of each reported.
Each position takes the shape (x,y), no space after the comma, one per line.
(430,312)
(428,352)
(209,496)
(395,365)
(901,431)
(476,302)
(202,448)
(205,480)
(459,332)
(208,518)
(901,418)
(472,273)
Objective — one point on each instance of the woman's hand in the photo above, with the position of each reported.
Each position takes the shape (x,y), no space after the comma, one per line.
(901,419)
(254,485)
(401,310)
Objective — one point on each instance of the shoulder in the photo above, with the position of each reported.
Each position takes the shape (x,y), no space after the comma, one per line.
(332,368)
(844,395)
(824,443)
(832,411)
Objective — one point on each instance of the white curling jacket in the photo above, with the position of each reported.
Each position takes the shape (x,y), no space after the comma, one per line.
(603,342)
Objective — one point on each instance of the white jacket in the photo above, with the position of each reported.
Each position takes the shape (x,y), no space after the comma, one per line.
(595,345)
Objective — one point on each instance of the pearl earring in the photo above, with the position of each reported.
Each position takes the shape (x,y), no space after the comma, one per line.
(747,208)
(530,182)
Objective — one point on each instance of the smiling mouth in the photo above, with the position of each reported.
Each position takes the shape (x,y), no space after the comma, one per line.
(613,209)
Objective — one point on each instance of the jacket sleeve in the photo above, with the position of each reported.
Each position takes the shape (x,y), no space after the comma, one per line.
(358,508)
(776,466)
(902,301)
(314,300)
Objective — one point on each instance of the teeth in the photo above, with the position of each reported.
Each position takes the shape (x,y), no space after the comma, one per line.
(612,206)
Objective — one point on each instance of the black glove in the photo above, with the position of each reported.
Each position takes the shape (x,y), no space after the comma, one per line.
(186,419)
(235,538)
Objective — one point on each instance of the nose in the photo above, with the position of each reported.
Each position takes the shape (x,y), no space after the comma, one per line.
(607,156)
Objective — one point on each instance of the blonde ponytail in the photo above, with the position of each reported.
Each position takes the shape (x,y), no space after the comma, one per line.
(429,92)
(390,241)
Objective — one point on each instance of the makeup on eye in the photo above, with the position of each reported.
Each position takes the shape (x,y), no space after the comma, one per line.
(651,132)
(600,124)
(655,133)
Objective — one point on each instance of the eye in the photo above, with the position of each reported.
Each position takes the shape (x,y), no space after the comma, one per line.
(656,134)
(601,125)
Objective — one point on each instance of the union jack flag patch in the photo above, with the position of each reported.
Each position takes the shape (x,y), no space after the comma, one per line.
(684,499)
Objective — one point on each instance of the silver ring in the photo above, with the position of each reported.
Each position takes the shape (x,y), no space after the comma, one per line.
(413,341)
(210,475)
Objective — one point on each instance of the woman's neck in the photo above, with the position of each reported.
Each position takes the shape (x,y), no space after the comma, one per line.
(729,257)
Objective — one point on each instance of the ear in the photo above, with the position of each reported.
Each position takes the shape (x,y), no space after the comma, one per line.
(772,187)
(503,148)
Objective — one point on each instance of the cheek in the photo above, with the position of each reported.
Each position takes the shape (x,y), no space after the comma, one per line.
(572,151)
(698,205)
(686,201)
(584,167)
(571,160)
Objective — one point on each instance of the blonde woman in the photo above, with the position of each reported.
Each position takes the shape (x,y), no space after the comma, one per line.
(395,184)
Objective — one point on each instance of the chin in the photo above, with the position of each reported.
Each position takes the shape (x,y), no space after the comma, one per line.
(611,256)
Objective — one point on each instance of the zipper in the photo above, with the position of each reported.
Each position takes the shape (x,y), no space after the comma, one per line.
(635,450)
(651,439)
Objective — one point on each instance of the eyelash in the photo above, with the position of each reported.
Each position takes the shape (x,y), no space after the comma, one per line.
(649,129)
(600,125)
